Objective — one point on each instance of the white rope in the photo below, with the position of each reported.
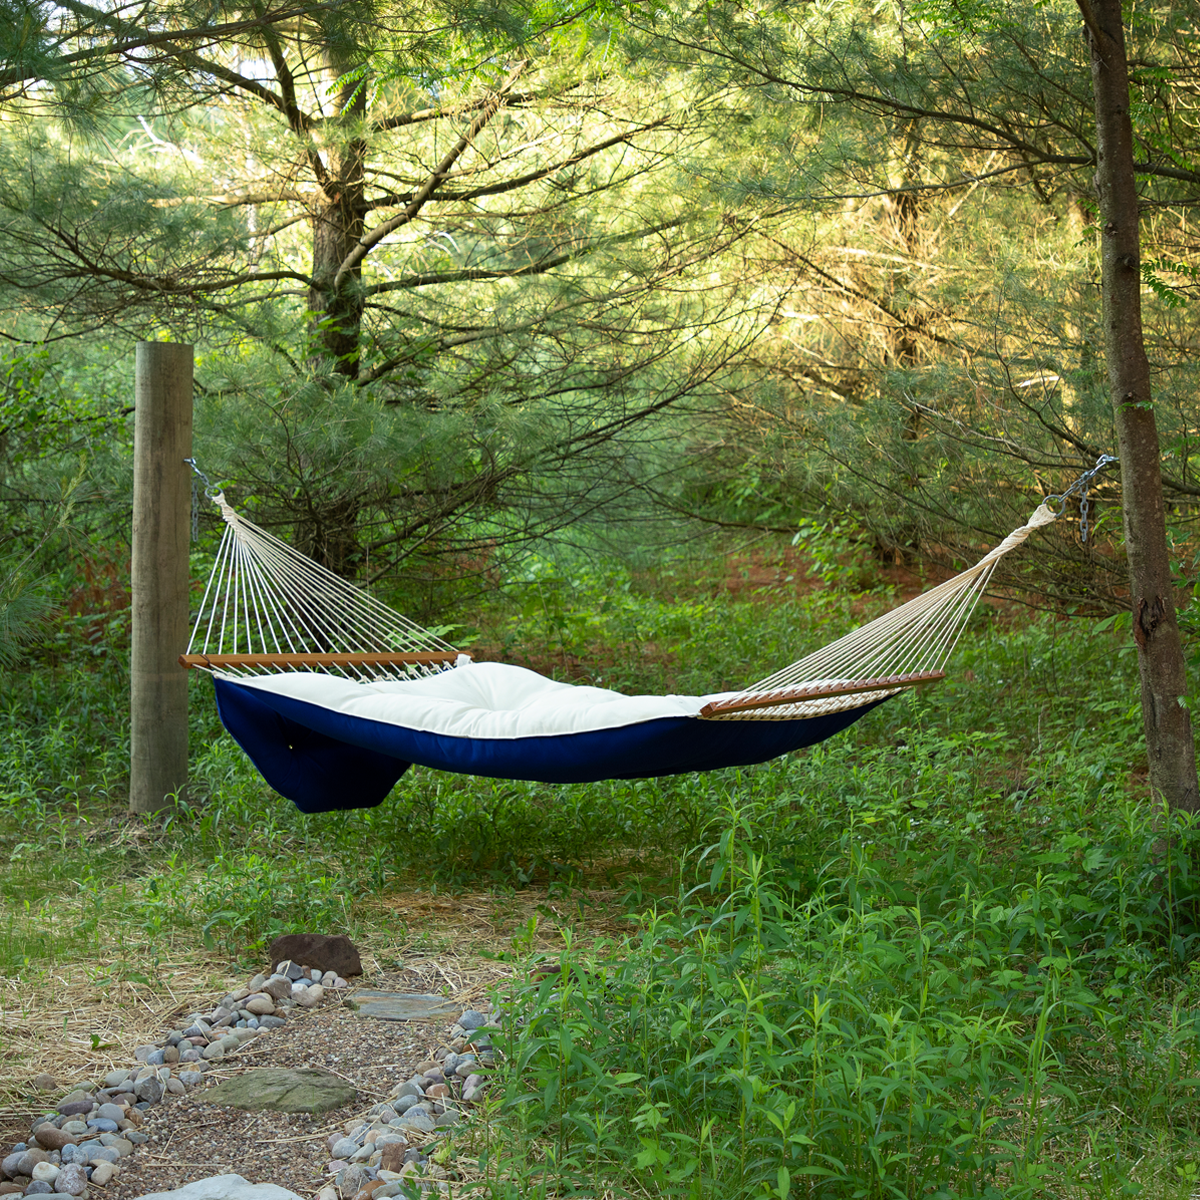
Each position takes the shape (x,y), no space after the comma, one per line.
(263,597)
(915,639)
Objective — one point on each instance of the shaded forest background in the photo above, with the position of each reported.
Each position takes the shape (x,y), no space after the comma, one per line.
(475,290)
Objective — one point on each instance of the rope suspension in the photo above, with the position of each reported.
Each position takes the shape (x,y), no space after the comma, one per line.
(268,608)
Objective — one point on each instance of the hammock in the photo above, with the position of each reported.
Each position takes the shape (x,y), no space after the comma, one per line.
(333,695)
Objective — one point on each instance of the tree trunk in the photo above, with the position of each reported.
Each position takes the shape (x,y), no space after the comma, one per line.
(337,224)
(1169,743)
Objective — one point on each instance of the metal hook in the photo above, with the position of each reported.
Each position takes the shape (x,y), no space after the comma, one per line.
(210,491)
(1080,485)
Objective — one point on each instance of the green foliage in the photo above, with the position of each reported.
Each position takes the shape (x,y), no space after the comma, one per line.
(23,609)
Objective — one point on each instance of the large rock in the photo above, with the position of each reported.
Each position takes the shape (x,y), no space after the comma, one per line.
(337,953)
(224,1187)
(307,1090)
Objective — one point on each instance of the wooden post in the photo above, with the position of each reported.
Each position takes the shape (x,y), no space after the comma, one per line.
(162,439)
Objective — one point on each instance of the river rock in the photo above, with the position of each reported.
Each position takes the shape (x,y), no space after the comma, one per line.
(103,1173)
(392,1156)
(28,1160)
(416,1118)
(50,1138)
(310,996)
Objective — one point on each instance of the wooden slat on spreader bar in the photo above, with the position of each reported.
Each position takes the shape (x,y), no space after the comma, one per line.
(394,659)
(817,692)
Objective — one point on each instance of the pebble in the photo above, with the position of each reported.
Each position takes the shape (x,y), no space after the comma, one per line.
(72,1180)
(371,1158)
(50,1138)
(102,1173)
(417,1118)
(310,997)
(28,1160)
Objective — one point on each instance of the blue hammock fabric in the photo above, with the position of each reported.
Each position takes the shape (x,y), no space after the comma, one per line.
(328,744)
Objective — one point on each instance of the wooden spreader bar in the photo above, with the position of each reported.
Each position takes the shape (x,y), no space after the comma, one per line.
(796,695)
(393,659)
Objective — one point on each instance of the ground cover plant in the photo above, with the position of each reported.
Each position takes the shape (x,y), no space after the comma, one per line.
(948,953)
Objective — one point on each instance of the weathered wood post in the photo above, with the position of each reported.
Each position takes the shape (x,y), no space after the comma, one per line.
(162,439)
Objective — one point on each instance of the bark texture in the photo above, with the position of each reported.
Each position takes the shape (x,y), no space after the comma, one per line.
(335,300)
(1169,743)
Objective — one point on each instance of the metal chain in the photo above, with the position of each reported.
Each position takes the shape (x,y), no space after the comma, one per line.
(1081,486)
(209,491)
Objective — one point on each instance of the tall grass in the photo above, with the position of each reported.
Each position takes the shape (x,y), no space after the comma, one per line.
(948,953)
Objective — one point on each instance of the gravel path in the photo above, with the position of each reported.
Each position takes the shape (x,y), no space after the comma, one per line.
(190,1139)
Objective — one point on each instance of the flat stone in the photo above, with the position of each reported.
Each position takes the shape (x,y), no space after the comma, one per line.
(224,1187)
(400,1006)
(307,1090)
(337,953)
(260,1005)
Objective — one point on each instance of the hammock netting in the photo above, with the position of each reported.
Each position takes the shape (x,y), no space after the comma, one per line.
(333,695)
